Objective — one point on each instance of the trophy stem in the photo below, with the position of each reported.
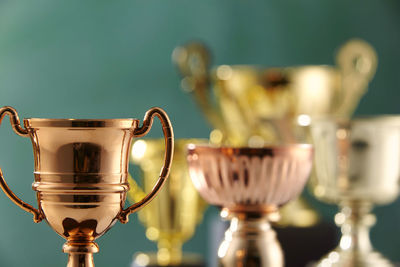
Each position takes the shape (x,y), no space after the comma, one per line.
(169,252)
(250,241)
(80,253)
(355,249)
(355,221)
(80,260)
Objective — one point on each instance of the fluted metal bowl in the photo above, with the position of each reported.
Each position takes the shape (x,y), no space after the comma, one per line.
(259,179)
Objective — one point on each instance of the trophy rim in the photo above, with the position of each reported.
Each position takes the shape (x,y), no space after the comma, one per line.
(179,142)
(232,150)
(380,118)
(81,123)
(272,67)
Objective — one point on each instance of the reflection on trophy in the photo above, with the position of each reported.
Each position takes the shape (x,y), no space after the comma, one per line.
(170,219)
(250,184)
(357,165)
(256,106)
(81,169)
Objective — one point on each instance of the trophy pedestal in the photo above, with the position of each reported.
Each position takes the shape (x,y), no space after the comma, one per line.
(150,260)
(250,241)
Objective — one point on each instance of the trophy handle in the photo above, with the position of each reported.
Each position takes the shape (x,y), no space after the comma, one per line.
(193,60)
(169,149)
(358,61)
(15,123)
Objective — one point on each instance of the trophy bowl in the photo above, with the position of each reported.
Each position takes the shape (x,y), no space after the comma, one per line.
(258,106)
(171,219)
(357,166)
(81,169)
(250,185)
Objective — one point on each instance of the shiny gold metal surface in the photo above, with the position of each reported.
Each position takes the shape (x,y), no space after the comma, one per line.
(251,105)
(81,169)
(357,165)
(250,185)
(256,106)
(170,219)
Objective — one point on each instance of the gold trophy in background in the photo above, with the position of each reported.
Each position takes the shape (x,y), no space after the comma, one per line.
(171,219)
(257,106)
(81,169)
(357,166)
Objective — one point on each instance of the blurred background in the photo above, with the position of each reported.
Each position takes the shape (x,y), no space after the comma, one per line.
(112,59)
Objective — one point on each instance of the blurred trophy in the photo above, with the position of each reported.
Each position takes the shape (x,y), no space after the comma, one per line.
(256,106)
(357,165)
(170,219)
(81,169)
(250,185)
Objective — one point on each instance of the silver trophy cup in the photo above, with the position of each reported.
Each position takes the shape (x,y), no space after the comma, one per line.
(357,165)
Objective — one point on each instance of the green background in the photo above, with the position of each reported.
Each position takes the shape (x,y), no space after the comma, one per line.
(110,59)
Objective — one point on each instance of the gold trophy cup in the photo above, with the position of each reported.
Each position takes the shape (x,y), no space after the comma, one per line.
(357,165)
(256,106)
(81,169)
(250,185)
(170,219)
(251,105)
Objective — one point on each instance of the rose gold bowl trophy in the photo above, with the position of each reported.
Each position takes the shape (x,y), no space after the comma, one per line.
(250,185)
(81,169)
(357,166)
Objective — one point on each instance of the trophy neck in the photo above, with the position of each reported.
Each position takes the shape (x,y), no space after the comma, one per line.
(80,253)
(250,240)
(80,260)
(249,226)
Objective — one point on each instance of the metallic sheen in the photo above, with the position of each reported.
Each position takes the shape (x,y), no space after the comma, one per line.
(250,185)
(171,219)
(256,106)
(357,165)
(81,169)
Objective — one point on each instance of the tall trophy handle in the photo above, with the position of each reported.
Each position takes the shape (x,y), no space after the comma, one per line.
(193,61)
(15,123)
(169,149)
(358,62)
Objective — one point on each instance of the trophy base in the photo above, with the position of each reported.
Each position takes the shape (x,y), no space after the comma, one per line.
(338,258)
(141,259)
